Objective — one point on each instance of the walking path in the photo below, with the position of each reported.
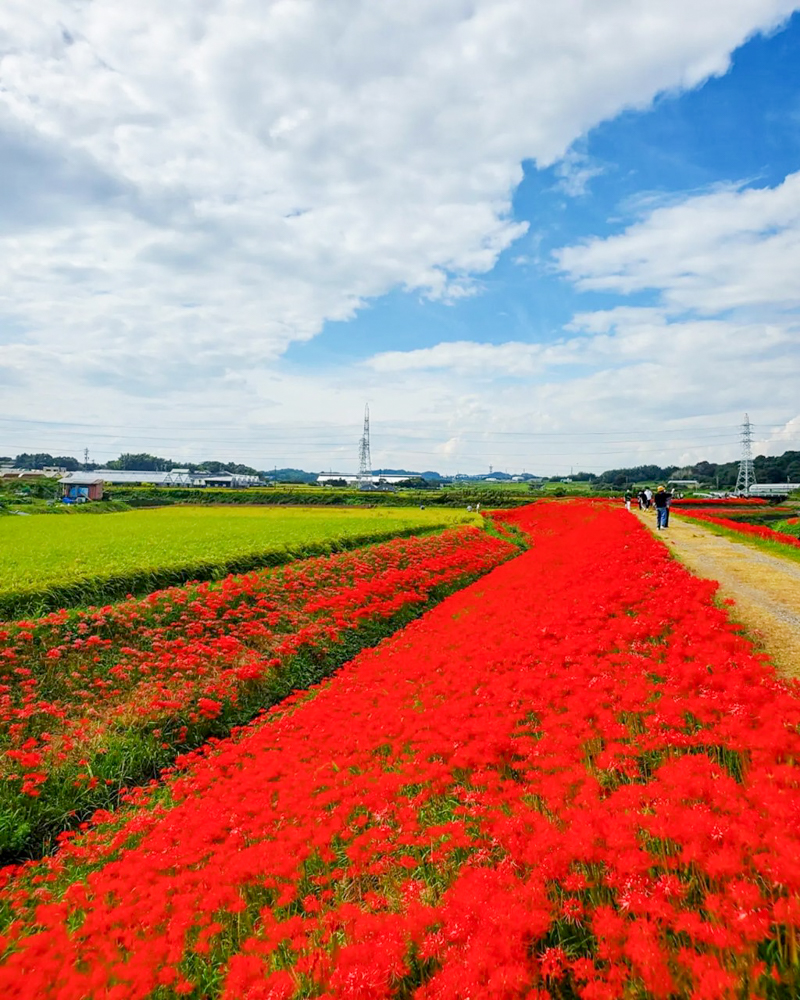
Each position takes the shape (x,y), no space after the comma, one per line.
(765,588)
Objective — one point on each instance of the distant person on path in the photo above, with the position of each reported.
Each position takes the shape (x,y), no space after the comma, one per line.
(648,493)
(642,500)
(662,508)
(628,498)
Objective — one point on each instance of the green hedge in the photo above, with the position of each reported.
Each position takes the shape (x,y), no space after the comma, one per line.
(155,496)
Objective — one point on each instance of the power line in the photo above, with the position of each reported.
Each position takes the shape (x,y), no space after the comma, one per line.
(628,432)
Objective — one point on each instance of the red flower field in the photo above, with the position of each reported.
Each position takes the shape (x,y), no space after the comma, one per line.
(92,701)
(722,502)
(743,528)
(571,779)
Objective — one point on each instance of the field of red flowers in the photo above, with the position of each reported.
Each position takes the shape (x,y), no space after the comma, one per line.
(92,702)
(760,531)
(572,779)
(725,502)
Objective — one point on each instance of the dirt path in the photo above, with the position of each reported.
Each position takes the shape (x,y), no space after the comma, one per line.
(766,588)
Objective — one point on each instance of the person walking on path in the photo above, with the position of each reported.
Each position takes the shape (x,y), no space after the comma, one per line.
(662,499)
(628,498)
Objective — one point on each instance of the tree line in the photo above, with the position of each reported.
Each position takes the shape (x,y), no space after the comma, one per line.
(127,462)
(783,468)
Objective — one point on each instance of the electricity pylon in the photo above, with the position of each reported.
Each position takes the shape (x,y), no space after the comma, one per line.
(364,457)
(747,472)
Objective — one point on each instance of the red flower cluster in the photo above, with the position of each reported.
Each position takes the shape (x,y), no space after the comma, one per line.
(76,683)
(573,779)
(720,502)
(743,528)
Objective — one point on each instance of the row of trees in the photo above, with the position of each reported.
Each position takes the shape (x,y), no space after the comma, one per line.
(783,468)
(139,462)
(40,460)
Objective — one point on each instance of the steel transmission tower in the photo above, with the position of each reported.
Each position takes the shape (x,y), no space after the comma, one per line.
(364,457)
(747,473)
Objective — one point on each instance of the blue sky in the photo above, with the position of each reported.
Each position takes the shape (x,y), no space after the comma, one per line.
(534,240)
(740,128)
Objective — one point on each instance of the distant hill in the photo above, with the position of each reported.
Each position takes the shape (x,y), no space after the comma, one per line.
(290,475)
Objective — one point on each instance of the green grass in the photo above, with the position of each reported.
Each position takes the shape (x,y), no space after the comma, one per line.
(49,562)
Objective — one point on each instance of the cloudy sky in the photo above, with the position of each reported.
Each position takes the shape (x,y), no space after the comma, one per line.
(533,235)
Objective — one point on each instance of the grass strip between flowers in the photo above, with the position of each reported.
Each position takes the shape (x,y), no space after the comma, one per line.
(776,543)
(574,779)
(98,701)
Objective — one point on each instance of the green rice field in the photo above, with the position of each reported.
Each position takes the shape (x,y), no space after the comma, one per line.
(48,562)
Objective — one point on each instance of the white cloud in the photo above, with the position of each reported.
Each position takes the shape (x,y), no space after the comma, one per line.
(626,385)
(208,182)
(732,248)
(575,171)
(462,356)
(277,165)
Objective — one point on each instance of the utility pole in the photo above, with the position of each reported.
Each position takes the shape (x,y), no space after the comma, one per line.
(86,459)
(747,472)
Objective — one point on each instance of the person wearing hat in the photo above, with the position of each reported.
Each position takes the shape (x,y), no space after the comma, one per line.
(662,499)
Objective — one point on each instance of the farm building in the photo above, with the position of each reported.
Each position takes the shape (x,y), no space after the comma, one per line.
(224,480)
(177,477)
(78,487)
(772,489)
(49,471)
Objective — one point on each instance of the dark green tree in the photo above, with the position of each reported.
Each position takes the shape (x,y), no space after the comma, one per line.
(35,461)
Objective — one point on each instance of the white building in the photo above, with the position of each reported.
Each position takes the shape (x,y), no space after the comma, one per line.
(177,477)
(772,489)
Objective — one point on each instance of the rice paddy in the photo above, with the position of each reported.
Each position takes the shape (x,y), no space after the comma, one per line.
(46,562)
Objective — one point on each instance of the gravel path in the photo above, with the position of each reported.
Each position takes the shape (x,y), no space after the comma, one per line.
(765,588)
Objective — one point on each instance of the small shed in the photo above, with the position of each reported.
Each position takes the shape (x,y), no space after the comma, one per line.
(224,479)
(80,487)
